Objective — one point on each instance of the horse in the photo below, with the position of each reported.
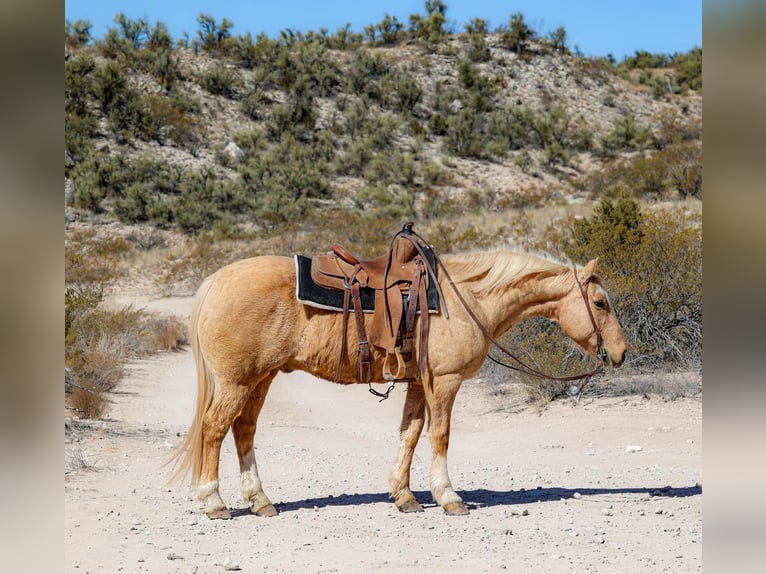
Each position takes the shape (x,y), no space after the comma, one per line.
(247,326)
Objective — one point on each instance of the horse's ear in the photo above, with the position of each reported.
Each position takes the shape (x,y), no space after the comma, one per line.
(586,272)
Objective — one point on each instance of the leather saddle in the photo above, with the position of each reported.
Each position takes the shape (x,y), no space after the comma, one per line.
(400,279)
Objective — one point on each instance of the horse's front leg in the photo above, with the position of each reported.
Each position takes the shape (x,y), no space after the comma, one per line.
(440,397)
(243,428)
(413,420)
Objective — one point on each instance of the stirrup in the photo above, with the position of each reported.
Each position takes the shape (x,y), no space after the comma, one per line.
(403,366)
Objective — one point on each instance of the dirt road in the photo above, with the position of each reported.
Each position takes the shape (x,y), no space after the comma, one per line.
(608,485)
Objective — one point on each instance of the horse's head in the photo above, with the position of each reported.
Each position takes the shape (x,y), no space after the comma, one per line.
(587,317)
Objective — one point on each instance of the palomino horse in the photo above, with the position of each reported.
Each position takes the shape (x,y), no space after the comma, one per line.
(247,326)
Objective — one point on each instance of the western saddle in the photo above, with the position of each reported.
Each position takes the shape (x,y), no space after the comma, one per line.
(400,280)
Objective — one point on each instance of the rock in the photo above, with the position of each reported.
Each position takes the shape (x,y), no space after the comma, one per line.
(233,153)
(633,448)
(230,565)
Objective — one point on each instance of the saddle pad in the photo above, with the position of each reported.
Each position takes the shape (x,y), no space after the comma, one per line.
(311,294)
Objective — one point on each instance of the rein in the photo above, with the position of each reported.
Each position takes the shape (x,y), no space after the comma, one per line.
(524,368)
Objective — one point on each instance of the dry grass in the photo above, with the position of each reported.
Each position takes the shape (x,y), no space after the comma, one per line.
(101,342)
(76,462)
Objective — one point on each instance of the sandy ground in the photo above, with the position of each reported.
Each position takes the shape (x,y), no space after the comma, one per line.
(606,485)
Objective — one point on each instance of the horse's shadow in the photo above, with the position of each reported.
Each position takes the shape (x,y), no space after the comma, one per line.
(484,498)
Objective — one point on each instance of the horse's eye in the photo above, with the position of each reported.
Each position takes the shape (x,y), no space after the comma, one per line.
(600,304)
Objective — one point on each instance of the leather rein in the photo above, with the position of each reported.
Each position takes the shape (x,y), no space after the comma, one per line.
(523,367)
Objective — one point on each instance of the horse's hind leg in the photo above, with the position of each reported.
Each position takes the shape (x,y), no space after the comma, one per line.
(228,401)
(243,429)
(413,419)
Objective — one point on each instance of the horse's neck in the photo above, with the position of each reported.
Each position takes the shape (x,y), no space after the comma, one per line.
(535,297)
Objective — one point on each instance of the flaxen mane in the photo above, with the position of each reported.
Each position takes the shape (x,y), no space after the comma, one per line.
(499,269)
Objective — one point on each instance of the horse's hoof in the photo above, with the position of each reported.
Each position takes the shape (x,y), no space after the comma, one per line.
(455,509)
(265,511)
(410,506)
(219,514)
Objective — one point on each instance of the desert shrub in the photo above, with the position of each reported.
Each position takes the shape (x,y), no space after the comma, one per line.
(366,74)
(626,135)
(98,341)
(677,168)
(477,37)
(281,184)
(77,33)
(124,39)
(463,137)
(558,39)
(517,35)
(683,168)
(78,138)
(251,54)
(354,160)
(96,177)
(90,266)
(109,85)
(164,66)
(213,36)
(389,168)
(220,80)
(253,104)
(402,91)
(643,60)
(175,117)
(390,30)
(140,204)
(78,83)
(688,68)
(651,265)
(429,29)
(675,129)
(438,124)
(99,344)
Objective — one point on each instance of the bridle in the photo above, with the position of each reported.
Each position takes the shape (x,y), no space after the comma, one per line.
(600,350)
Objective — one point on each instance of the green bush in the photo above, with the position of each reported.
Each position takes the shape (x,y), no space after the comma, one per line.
(429,30)
(77,33)
(477,36)
(626,135)
(390,30)
(688,69)
(651,264)
(220,80)
(402,91)
(213,36)
(518,34)
(558,39)
(463,134)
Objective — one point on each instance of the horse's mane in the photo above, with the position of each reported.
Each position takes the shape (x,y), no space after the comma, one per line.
(498,269)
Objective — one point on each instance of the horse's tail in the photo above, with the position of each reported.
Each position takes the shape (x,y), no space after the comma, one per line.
(190,451)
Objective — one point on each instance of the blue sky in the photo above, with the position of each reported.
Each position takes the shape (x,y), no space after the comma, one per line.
(597,27)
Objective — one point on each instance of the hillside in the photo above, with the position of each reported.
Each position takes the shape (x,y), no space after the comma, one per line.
(245,135)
